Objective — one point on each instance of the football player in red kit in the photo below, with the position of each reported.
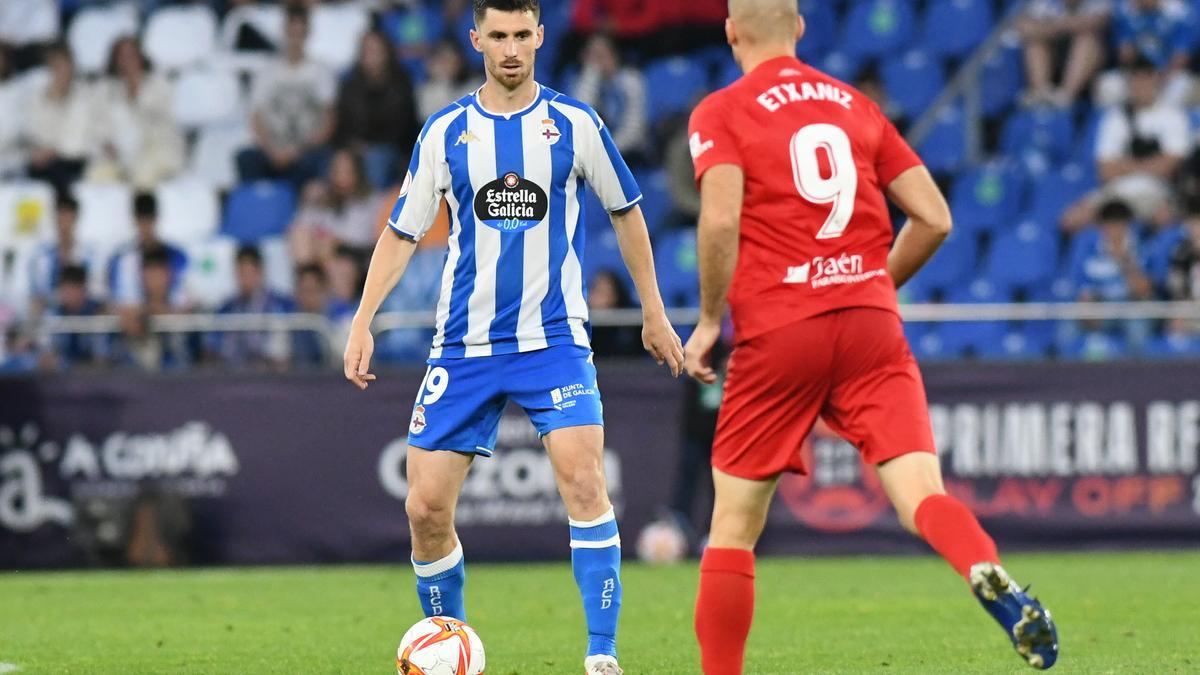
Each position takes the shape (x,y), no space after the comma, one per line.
(795,236)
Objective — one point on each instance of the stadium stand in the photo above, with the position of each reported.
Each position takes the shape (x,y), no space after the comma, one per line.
(1012,163)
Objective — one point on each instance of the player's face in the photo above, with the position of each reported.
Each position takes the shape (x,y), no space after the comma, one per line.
(508,42)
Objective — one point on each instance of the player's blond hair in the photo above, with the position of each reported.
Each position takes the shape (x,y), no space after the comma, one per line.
(765,21)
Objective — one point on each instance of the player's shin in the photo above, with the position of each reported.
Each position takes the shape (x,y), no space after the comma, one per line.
(724,609)
(954,532)
(596,560)
(440,585)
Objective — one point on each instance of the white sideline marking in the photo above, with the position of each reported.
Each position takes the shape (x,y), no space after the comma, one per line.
(9,668)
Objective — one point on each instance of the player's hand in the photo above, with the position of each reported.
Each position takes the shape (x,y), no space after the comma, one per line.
(663,343)
(356,362)
(699,351)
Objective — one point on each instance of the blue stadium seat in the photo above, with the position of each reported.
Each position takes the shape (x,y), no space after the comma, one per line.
(1054,191)
(1041,136)
(878,27)
(1002,78)
(1085,144)
(951,265)
(1174,347)
(913,81)
(258,210)
(945,148)
(952,28)
(989,197)
(1023,258)
(677,82)
(820,35)
(1094,347)
(977,337)
(1029,341)
(841,65)
(726,75)
(656,202)
(675,262)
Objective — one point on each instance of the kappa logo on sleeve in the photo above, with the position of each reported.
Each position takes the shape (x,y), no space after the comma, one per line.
(698,147)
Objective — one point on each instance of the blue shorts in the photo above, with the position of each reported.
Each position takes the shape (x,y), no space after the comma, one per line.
(460,402)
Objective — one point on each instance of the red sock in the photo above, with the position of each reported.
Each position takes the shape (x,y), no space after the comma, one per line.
(952,530)
(724,609)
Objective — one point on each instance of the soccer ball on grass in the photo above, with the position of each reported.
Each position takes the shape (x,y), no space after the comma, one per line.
(440,646)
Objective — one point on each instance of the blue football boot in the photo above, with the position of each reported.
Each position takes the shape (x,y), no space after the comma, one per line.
(1026,622)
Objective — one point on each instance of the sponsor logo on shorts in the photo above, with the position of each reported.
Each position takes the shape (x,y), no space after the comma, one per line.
(563,398)
(840,271)
(418,421)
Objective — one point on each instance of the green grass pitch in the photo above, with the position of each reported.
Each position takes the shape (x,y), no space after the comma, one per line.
(1117,613)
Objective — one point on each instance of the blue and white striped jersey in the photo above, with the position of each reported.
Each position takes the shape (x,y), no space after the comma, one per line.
(513,279)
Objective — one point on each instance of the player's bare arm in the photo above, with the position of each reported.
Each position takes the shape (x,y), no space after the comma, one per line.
(388,262)
(928,223)
(658,337)
(721,191)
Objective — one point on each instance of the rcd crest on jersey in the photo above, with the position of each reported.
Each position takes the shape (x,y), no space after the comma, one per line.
(511,203)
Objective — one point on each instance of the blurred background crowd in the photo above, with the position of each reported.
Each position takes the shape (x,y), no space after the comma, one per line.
(230,157)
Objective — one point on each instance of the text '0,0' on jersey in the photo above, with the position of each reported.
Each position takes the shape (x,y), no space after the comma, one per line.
(513,278)
(815,229)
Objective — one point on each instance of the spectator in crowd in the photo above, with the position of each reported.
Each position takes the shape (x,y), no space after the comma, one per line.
(27,26)
(1183,271)
(61,124)
(142,347)
(681,180)
(450,78)
(340,215)
(139,140)
(1107,266)
(262,349)
(616,91)
(51,260)
(126,270)
(1073,27)
(12,102)
(376,110)
(606,291)
(72,350)
(1158,30)
(1139,148)
(871,85)
(313,297)
(292,114)
(417,291)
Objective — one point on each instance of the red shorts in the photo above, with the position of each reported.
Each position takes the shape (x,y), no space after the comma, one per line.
(852,367)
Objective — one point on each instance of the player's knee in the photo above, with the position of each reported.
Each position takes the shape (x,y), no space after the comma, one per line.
(583,490)
(735,529)
(428,516)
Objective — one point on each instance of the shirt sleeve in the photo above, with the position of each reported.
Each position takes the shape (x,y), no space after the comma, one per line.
(605,169)
(710,140)
(1176,135)
(1112,138)
(417,205)
(894,156)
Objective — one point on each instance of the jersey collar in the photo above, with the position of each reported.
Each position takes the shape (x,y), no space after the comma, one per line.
(506,116)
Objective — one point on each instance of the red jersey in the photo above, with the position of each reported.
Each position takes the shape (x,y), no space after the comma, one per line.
(815,229)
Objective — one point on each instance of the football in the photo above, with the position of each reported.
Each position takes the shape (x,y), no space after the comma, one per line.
(440,646)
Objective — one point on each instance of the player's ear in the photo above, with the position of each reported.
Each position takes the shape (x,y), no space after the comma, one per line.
(800,27)
(730,32)
(476,41)
(541,36)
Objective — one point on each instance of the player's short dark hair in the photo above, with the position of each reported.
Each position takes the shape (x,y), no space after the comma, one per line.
(73,274)
(65,202)
(314,270)
(1115,210)
(156,256)
(482,6)
(145,205)
(249,253)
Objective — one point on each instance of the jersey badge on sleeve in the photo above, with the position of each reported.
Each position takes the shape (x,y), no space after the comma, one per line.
(698,146)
